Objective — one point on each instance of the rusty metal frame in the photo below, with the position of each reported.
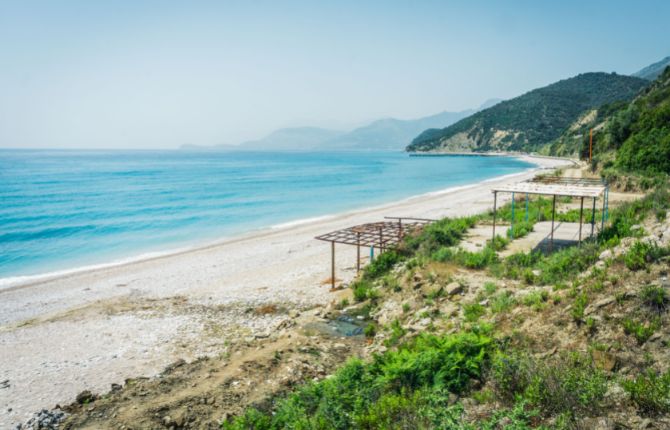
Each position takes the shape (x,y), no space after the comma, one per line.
(380,235)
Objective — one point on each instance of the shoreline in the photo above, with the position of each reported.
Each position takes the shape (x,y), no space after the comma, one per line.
(10,283)
(89,329)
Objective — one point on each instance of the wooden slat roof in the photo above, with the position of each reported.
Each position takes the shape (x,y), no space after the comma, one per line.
(571,187)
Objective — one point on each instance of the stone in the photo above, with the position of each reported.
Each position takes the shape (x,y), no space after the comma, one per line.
(116,387)
(604,360)
(453,288)
(294,313)
(605,255)
(167,421)
(85,397)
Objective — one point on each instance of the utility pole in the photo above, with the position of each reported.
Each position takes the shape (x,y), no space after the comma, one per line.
(590,145)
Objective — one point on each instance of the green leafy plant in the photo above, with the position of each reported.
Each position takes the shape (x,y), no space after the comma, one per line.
(650,391)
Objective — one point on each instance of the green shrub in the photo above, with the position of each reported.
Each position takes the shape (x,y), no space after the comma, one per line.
(381,264)
(472,311)
(567,384)
(641,330)
(362,290)
(579,306)
(397,332)
(407,388)
(502,302)
(370,330)
(536,299)
(490,287)
(655,297)
(650,392)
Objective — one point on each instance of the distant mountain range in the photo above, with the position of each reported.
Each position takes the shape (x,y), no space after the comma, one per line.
(653,71)
(534,119)
(383,134)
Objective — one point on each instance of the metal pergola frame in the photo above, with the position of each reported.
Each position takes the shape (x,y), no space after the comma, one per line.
(581,188)
(381,235)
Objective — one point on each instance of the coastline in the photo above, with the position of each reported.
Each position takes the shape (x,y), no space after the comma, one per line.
(93,327)
(20,281)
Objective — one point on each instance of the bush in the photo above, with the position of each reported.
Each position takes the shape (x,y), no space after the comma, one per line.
(650,392)
(641,330)
(655,297)
(568,384)
(362,290)
(370,330)
(381,264)
(407,388)
(472,311)
(579,306)
(502,302)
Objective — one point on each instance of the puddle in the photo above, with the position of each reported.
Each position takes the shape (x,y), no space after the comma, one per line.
(341,326)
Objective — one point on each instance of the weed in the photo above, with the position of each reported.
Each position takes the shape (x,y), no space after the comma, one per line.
(472,311)
(650,392)
(655,297)
(640,330)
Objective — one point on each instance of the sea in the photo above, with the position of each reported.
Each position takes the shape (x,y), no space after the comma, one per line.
(65,210)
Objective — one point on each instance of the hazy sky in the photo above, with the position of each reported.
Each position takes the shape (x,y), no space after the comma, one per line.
(141,74)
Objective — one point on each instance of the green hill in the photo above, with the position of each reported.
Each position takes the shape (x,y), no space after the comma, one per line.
(534,119)
(634,137)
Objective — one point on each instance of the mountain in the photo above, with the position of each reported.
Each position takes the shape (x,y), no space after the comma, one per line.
(383,134)
(292,139)
(534,119)
(653,71)
(393,133)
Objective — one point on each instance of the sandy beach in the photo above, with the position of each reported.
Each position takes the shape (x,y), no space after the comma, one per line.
(90,329)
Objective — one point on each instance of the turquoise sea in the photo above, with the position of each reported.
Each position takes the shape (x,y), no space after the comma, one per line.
(65,209)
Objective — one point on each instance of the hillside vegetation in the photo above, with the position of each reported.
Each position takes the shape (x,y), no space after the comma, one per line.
(528,122)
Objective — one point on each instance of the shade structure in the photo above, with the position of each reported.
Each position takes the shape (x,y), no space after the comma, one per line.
(554,186)
(380,235)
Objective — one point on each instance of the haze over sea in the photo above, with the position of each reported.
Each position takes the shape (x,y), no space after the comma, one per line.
(66,209)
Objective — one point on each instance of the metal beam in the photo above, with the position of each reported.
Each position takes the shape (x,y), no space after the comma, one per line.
(493,238)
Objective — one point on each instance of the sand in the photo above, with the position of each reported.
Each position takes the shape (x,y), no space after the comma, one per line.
(90,329)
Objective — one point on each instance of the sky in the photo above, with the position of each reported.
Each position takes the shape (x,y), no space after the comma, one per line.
(159,74)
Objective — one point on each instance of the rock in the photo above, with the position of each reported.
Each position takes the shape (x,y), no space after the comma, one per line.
(85,397)
(599,304)
(179,420)
(294,313)
(116,387)
(45,419)
(167,421)
(453,288)
(605,255)
(600,423)
(604,360)
(645,424)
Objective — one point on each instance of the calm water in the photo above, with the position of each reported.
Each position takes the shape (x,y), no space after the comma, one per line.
(65,209)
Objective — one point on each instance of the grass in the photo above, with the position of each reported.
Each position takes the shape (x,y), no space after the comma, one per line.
(473,311)
(641,330)
(655,297)
(650,392)
(502,302)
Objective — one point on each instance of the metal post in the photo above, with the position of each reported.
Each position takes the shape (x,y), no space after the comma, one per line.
(381,241)
(493,239)
(581,217)
(372,253)
(553,215)
(332,265)
(526,207)
(358,252)
(593,217)
(602,215)
(399,229)
(511,229)
(607,203)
